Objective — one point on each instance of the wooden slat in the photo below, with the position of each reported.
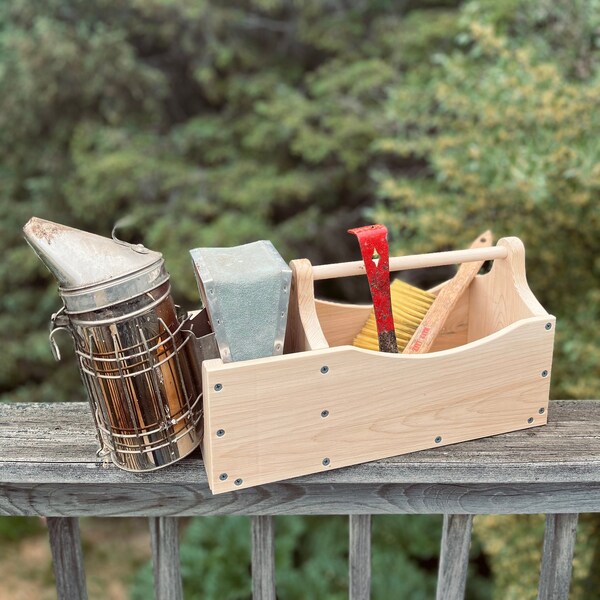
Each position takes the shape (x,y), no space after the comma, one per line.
(454,557)
(55,443)
(165,558)
(48,463)
(360,557)
(263,558)
(557,556)
(67,558)
(145,500)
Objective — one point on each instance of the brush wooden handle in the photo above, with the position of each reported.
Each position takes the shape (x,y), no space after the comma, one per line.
(416,261)
(442,306)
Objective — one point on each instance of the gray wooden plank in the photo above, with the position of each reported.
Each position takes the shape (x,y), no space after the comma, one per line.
(164,540)
(46,443)
(360,557)
(454,557)
(67,558)
(557,556)
(263,558)
(288,498)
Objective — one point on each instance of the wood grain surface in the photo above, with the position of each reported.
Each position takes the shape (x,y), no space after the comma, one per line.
(377,404)
(359,557)
(67,558)
(557,556)
(263,558)
(164,540)
(454,557)
(48,467)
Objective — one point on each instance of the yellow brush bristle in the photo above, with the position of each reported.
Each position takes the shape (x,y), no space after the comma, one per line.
(409,307)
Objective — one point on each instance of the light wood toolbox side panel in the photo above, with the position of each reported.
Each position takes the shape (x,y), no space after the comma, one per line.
(503,295)
(378,405)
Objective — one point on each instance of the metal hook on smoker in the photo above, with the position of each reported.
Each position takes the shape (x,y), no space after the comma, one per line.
(58,322)
(139,248)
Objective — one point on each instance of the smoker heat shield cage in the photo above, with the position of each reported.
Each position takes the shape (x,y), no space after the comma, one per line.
(136,354)
(326,404)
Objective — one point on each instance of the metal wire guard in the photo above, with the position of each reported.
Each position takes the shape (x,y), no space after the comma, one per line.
(145,394)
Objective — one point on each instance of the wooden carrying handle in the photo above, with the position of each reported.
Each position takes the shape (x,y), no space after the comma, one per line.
(415,261)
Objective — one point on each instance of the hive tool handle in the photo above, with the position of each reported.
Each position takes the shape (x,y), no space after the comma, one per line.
(374,249)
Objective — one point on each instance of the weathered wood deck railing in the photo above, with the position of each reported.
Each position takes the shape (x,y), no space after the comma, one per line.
(47,467)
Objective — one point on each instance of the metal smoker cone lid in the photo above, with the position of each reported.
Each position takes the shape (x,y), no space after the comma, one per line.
(93,271)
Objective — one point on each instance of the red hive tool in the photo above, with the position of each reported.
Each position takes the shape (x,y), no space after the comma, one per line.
(373,243)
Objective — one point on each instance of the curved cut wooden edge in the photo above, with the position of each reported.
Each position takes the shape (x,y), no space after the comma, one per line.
(515,263)
(502,296)
(491,303)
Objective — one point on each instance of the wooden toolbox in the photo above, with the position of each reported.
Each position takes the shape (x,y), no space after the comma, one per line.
(325,404)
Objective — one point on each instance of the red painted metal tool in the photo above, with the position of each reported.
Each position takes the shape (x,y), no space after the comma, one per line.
(374,249)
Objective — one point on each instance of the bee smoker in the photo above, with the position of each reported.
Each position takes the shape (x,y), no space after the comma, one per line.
(135,352)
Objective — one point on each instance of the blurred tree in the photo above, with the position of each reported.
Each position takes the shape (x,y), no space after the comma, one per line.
(209,124)
(507,139)
(215,123)
(506,128)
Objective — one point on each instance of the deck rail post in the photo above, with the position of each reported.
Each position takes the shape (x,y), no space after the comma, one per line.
(263,558)
(164,539)
(67,558)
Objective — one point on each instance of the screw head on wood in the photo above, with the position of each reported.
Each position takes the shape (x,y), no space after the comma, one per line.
(530,420)
(438,439)
(218,387)
(544,373)
(326,462)
(238,481)
(542,410)
(324,413)
(324,369)
(548,326)
(220,432)
(223,476)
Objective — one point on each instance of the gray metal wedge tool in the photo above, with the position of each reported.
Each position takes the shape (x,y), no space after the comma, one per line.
(246,291)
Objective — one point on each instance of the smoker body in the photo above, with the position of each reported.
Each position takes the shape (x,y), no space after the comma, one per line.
(136,354)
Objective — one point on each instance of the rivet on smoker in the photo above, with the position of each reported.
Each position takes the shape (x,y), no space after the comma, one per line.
(324,369)
(218,387)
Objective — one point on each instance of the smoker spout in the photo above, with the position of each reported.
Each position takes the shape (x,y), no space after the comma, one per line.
(80,259)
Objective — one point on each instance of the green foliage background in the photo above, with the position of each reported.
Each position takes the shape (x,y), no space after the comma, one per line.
(212,123)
